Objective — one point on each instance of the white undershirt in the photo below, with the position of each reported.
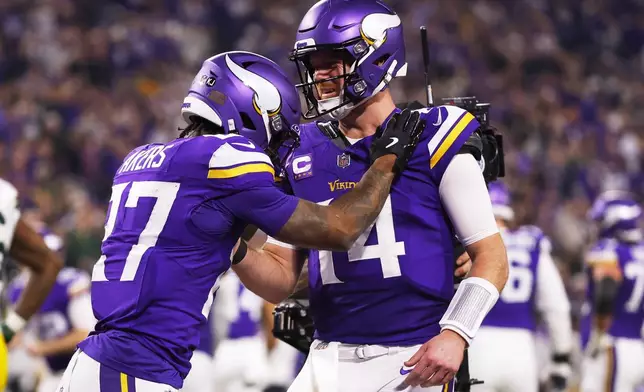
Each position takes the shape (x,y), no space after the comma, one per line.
(465,197)
(352,141)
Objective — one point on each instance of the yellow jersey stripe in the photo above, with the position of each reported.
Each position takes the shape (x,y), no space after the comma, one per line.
(124,382)
(451,137)
(241,170)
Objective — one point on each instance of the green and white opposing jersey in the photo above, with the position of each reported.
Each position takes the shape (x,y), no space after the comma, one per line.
(9,216)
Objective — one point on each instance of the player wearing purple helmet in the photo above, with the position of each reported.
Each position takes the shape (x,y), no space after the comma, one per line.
(385,313)
(177,210)
(614,312)
(504,354)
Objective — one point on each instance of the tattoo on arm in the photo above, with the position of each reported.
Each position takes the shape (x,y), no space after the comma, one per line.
(338,225)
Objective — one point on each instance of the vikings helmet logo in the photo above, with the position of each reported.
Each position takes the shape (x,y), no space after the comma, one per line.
(266,98)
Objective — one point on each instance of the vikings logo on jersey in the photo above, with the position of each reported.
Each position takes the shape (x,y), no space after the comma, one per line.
(403,264)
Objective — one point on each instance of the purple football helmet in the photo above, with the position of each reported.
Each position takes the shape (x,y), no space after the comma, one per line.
(501,203)
(368,34)
(246,93)
(617,215)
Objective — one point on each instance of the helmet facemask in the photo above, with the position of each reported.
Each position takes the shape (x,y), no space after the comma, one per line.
(353,90)
(285,138)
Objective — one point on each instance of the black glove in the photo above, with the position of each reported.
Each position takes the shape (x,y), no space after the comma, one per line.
(560,372)
(399,138)
(7,333)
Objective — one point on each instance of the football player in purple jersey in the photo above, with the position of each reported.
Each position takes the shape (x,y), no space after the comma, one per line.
(177,210)
(20,242)
(611,328)
(64,319)
(385,313)
(504,354)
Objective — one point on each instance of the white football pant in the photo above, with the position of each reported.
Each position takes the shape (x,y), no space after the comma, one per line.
(282,364)
(49,381)
(616,369)
(24,367)
(241,365)
(200,378)
(86,375)
(341,367)
(505,359)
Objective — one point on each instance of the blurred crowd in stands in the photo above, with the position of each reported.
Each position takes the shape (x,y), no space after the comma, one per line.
(82,82)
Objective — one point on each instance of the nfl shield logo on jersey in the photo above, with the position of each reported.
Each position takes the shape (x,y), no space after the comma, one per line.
(344,160)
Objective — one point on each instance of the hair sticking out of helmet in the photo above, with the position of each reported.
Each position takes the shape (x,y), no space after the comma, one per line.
(245,93)
(617,215)
(347,51)
(501,202)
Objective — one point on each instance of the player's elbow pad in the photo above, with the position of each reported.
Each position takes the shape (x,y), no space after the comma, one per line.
(605,293)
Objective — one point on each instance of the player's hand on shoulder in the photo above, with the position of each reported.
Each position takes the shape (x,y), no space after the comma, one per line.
(399,138)
(437,361)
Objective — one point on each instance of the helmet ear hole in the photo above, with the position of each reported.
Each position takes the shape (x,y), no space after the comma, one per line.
(247,122)
(381,60)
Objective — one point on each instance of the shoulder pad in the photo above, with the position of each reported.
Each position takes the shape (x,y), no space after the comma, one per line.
(603,251)
(532,237)
(7,191)
(76,281)
(235,155)
(532,230)
(9,215)
(448,123)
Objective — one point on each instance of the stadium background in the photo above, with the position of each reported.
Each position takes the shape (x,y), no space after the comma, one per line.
(82,82)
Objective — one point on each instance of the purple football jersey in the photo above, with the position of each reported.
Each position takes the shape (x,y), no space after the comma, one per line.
(205,337)
(176,211)
(396,282)
(516,305)
(628,310)
(53,320)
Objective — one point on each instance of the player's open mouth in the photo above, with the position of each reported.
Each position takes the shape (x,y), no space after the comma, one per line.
(328,92)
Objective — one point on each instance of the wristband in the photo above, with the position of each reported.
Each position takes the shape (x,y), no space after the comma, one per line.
(14,321)
(471,303)
(241,252)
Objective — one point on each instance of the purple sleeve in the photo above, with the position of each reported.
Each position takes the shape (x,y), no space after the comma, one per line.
(263,205)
